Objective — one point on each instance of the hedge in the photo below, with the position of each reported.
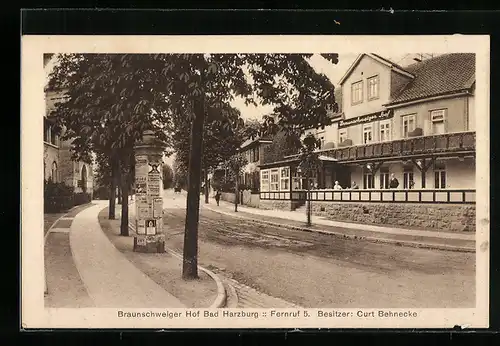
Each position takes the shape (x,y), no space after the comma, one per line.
(59,197)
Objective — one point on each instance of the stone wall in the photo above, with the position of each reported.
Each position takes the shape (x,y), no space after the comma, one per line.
(249,199)
(275,204)
(438,217)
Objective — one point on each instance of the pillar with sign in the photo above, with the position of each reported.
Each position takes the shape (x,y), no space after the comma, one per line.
(149,202)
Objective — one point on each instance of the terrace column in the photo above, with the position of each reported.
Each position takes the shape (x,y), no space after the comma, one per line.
(149,201)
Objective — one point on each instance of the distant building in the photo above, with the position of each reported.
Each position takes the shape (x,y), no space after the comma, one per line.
(58,165)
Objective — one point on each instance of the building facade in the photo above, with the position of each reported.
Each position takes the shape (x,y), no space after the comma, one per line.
(59,167)
(415,123)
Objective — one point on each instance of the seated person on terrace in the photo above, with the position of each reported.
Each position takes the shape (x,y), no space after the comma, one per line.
(337,186)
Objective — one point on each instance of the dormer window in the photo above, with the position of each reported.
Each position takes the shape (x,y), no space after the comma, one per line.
(373,88)
(357,92)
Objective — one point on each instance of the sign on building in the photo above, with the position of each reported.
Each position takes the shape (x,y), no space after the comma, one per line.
(366,118)
(143,212)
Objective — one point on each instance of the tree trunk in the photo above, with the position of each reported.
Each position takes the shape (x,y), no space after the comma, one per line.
(119,194)
(190,255)
(112,192)
(205,178)
(236,193)
(124,195)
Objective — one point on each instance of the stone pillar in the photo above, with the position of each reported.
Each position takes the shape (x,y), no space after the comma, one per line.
(149,202)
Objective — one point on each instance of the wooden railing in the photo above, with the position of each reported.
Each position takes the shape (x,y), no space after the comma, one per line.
(446,196)
(414,146)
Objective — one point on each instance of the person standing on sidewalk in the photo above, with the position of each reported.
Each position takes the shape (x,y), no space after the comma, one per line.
(217,197)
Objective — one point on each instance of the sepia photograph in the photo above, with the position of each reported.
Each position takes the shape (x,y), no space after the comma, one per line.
(247,183)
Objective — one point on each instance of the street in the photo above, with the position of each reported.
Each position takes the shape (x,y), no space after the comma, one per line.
(317,270)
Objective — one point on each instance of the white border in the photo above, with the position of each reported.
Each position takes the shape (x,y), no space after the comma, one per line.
(33,79)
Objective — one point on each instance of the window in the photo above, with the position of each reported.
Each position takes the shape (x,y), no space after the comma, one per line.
(368,182)
(384,178)
(408,178)
(46,132)
(367,134)
(438,121)
(357,92)
(256,154)
(285,179)
(342,135)
(297,181)
(322,142)
(274,180)
(408,124)
(385,131)
(53,173)
(373,88)
(439,177)
(264,180)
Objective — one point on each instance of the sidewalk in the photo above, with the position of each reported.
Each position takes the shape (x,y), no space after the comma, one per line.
(110,279)
(295,220)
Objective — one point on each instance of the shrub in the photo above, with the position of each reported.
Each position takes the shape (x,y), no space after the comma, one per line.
(82,198)
(102,193)
(58,197)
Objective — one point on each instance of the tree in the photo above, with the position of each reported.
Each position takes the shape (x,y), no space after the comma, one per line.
(110,99)
(309,162)
(236,164)
(168,176)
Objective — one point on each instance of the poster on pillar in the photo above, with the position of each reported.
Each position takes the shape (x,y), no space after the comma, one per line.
(154,178)
(141,226)
(141,169)
(150,227)
(157,208)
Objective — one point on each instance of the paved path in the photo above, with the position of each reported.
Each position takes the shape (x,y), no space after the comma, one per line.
(111,280)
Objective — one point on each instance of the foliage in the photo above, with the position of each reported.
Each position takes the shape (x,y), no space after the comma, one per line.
(168,176)
(81,198)
(309,158)
(179,173)
(283,144)
(58,197)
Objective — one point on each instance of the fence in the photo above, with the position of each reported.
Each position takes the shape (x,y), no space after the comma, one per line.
(450,196)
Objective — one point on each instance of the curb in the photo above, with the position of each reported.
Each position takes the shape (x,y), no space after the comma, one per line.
(220,300)
(354,237)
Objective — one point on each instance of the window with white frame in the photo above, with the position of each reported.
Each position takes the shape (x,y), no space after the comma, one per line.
(384,177)
(368,182)
(285,179)
(275,180)
(373,87)
(367,134)
(408,181)
(264,180)
(408,122)
(385,130)
(439,176)
(357,92)
(342,135)
(297,181)
(438,121)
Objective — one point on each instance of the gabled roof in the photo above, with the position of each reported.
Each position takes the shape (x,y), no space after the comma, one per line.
(441,75)
(251,141)
(395,67)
